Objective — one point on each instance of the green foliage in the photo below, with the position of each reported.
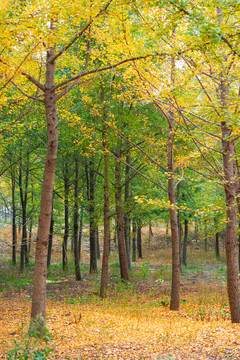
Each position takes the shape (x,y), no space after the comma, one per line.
(35,345)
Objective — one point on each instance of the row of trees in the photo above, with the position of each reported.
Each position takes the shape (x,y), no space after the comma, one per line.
(153,85)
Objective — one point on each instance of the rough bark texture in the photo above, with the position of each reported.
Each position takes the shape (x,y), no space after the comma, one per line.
(50,241)
(120,220)
(231,243)
(106,240)
(40,271)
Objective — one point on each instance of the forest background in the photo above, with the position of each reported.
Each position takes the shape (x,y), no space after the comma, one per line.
(115,116)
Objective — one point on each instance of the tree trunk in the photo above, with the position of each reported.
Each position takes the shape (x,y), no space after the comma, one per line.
(97,243)
(139,240)
(231,244)
(80,233)
(23,197)
(134,247)
(185,240)
(66,216)
(92,225)
(120,219)
(14,225)
(75,224)
(40,270)
(126,215)
(106,239)
(175,287)
(217,248)
(50,241)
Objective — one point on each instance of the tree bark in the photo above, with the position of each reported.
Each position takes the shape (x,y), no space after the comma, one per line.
(139,240)
(40,270)
(23,197)
(231,244)
(50,241)
(175,287)
(217,248)
(134,247)
(120,219)
(185,240)
(106,239)
(66,215)
(75,224)
(126,215)
(14,225)
(92,225)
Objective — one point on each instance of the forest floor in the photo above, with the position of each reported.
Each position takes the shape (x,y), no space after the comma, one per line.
(134,321)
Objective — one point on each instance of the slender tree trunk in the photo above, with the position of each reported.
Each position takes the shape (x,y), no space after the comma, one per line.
(175,287)
(134,231)
(75,224)
(205,238)
(14,225)
(217,248)
(106,239)
(120,219)
(66,216)
(126,215)
(179,223)
(185,240)
(92,225)
(30,236)
(97,243)
(23,196)
(80,232)
(139,240)
(40,270)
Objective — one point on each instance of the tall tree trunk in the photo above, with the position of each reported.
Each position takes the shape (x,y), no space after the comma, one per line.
(80,232)
(134,231)
(75,223)
(66,216)
(14,225)
(231,244)
(175,287)
(40,270)
(23,197)
(106,239)
(120,218)
(139,240)
(126,215)
(92,225)
(185,240)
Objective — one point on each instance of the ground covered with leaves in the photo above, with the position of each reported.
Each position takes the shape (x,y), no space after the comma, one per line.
(134,322)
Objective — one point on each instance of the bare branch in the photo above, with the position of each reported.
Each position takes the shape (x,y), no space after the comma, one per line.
(23,93)
(34,81)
